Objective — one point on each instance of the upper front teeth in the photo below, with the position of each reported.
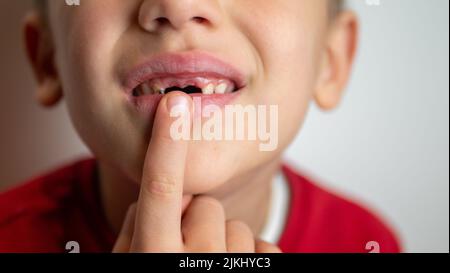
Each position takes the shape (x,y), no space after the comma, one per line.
(146,89)
(209,89)
(221,88)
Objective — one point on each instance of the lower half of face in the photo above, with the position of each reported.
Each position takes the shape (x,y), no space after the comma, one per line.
(275,44)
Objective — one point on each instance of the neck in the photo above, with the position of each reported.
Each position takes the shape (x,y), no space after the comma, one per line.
(246,199)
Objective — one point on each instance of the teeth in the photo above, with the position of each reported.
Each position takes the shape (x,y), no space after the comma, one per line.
(221,88)
(157,90)
(209,89)
(147,90)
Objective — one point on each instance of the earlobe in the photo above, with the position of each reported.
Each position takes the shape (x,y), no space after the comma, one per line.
(328,98)
(40,53)
(337,61)
(49,92)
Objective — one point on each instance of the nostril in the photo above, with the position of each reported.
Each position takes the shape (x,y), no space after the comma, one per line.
(162,20)
(199,20)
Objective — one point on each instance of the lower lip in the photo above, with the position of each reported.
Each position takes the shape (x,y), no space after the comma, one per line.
(147,105)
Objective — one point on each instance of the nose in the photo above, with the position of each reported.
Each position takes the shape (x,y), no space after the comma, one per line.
(155,15)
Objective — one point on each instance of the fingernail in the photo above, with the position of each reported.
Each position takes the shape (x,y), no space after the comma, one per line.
(178,103)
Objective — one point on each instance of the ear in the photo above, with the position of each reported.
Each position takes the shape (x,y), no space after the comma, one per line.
(40,53)
(337,60)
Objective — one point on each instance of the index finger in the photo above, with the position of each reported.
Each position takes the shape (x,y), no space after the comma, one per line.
(158,216)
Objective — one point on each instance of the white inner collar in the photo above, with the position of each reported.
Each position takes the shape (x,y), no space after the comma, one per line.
(278,210)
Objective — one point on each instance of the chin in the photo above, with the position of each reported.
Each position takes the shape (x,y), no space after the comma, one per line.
(201,181)
(206,171)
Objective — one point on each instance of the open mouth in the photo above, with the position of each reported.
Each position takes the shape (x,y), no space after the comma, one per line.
(188,85)
(193,73)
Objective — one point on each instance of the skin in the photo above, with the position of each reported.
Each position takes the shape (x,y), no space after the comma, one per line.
(186,194)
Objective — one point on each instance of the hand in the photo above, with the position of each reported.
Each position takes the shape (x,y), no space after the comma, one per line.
(155,223)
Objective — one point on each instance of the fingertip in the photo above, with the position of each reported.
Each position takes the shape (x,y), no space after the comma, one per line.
(173,107)
(178,102)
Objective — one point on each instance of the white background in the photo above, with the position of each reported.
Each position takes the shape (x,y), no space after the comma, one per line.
(388,143)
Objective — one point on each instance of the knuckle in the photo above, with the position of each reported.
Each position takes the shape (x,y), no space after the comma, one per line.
(162,185)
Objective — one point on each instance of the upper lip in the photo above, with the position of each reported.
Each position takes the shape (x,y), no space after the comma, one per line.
(195,64)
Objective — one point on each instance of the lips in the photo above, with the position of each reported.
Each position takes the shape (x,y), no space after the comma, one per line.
(198,74)
(190,72)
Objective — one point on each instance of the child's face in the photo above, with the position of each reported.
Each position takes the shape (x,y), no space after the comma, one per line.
(280,46)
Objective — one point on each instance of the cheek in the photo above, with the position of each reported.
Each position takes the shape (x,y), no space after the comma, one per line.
(84,50)
(289,50)
(86,40)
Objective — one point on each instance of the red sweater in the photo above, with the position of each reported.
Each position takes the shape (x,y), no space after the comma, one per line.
(47,212)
